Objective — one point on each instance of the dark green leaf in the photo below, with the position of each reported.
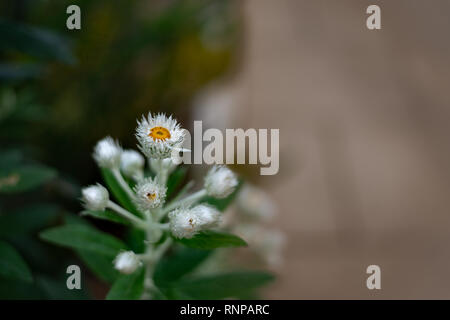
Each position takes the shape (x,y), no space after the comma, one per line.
(175,179)
(227,285)
(27,219)
(135,239)
(82,237)
(222,204)
(117,191)
(15,72)
(34,41)
(208,239)
(24,178)
(180,263)
(128,287)
(12,265)
(101,266)
(106,215)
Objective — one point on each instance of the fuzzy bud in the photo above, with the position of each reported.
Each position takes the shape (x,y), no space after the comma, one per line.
(220,182)
(95,197)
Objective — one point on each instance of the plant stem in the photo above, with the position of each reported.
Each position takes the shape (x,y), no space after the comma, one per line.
(184,202)
(127,215)
(122,182)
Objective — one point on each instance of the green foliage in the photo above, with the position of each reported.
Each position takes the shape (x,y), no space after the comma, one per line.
(12,265)
(128,287)
(221,286)
(117,191)
(33,41)
(27,220)
(24,178)
(179,264)
(84,238)
(106,215)
(208,240)
(102,266)
(175,180)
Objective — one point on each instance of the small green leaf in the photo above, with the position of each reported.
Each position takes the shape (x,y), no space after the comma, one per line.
(83,237)
(128,287)
(221,286)
(117,191)
(175,180)
(12,265)
(208,239)
(24,178)
(106,215)
(100,265)
(177,265)
(222,204)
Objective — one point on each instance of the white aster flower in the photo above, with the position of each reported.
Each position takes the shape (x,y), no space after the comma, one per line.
(149,194)
(187,222)
(127,262)
(95,197)
(158,135)
(220,182)
(132,163)
(107,153)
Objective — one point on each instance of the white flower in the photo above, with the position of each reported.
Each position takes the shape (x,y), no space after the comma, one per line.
(158,135)
(255,203)
(95,197)
(149,194)
(132,163)
(186,222)
(127,262)
(220,182)
(208,216)
(107,153)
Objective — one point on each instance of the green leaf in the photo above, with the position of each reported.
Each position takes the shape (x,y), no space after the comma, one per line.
(177,265)
(82,237)
(106,215)
(222,204)
(221,286)
(117,191)
(128,287)
(100,265)
(27,219)
(37,42)
(24,178)
(208,239)
(12,265)
(135,239)
(175,180)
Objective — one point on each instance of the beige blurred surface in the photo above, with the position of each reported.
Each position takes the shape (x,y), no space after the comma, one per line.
(364,129)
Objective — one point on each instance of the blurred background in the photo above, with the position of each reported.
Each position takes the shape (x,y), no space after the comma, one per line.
(363,118)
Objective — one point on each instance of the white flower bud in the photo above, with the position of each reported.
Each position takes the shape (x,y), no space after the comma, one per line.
(149,194)
(255,204)
(95,197)
(127,262)
(132,163)
(185,223)
(107,153)
(208,216)
(220,182)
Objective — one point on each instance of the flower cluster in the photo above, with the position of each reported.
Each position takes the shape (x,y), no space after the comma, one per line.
(182,217)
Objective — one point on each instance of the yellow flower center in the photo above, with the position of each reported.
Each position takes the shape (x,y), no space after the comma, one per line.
(159,133)
(151,196)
